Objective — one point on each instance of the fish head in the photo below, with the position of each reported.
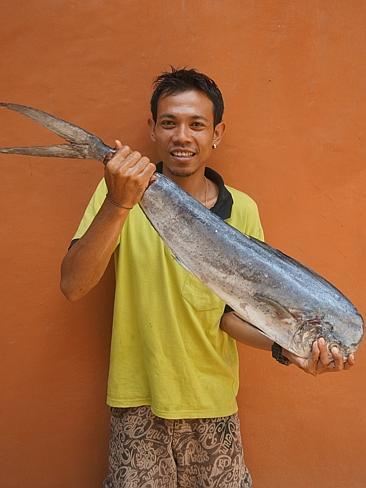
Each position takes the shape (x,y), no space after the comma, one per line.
(297,328)
(342,331)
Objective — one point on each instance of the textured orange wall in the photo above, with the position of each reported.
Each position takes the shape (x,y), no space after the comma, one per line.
(292,74)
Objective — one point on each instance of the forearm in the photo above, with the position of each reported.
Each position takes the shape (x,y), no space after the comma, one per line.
(127,175)
(244,332)
(319,361)
(86,261)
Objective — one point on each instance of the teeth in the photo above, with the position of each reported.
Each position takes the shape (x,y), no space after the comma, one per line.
(183,154)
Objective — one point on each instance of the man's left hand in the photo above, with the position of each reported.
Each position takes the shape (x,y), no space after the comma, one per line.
(321,360)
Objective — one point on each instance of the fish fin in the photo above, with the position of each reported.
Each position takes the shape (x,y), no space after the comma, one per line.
(281,312)
(77,151)
(83,144)
(67,130)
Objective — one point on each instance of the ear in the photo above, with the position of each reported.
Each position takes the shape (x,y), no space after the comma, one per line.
(152,124)
(218,133)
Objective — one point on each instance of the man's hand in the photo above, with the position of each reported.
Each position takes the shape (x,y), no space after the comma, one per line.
(127,175)
(321,360)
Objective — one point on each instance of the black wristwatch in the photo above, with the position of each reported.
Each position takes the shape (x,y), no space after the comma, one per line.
(277,354)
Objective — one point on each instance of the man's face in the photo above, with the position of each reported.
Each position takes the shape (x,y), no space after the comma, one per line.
(184,132)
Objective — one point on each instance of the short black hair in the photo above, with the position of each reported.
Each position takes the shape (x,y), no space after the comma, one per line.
(182,79)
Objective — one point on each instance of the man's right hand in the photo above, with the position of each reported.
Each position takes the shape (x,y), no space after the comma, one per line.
(127,175)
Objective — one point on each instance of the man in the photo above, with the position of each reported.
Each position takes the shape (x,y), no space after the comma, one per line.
(173,368)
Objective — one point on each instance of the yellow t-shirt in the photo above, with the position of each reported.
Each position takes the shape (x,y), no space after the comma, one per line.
(167,349)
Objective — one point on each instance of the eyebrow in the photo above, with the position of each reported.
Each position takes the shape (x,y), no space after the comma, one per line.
(171,116)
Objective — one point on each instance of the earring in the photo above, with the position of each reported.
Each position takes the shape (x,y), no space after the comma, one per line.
(214,146)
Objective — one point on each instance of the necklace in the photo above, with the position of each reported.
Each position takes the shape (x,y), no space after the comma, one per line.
(206,191)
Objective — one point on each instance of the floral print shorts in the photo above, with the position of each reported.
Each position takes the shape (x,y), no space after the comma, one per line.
(147,451)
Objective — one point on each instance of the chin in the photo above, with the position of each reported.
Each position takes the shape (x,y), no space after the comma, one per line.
(182,171)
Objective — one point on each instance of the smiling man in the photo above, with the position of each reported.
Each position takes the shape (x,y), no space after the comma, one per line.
(173,376)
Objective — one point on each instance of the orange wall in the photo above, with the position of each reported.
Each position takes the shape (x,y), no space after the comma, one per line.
(292,74)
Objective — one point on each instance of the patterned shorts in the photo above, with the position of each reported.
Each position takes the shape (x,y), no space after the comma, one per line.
(150,452)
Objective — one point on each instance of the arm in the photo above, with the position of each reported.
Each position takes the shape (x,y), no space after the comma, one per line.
(127,176)
(85,263)
(244,332)
(320,361)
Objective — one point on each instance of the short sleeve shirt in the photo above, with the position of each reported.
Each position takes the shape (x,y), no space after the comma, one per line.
(167,349)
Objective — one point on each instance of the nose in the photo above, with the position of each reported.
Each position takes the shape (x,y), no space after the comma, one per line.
(182,134)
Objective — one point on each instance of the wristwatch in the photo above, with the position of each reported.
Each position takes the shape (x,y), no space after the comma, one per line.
(277,354)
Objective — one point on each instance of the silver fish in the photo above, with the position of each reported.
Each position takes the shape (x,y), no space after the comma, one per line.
(286,301)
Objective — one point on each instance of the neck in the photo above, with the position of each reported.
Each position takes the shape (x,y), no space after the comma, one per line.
(194,184)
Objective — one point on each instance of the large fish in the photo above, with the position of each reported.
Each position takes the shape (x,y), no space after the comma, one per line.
(286,301)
